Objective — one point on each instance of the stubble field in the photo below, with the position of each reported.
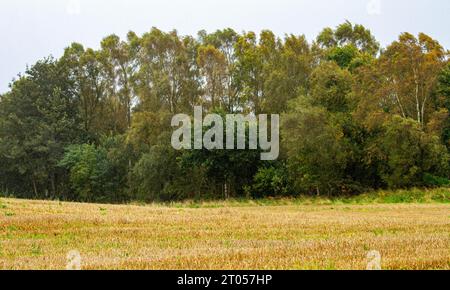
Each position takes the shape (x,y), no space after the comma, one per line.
(39,235)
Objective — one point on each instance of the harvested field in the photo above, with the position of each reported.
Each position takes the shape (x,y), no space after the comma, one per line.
(38,235)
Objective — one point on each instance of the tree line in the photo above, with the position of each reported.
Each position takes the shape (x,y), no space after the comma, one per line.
(94,125)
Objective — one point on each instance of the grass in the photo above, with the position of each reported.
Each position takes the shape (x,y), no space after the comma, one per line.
(411,230)
(418,196)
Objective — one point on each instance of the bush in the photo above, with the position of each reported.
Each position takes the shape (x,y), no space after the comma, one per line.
(435,181)
(269,182)
(408,153)
(97,173)
(317,150)
(154,175)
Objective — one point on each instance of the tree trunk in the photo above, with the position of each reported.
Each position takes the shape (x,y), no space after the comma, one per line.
(35,188)
(416,81)
(52,183)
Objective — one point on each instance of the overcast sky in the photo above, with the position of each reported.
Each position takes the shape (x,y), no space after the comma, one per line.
(32,29)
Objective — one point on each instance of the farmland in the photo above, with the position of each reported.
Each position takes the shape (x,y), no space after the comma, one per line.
(225,235)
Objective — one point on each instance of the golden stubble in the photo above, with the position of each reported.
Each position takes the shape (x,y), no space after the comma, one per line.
(39,235)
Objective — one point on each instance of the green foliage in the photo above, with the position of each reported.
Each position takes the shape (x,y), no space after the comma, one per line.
(444,85)
(159,175)
(228,171)
(444,91)
(354,117)
(408,154)
(317,151)
(330,87)
(413,195)
(270,182)
(88,169)
(96,173)
(343,56)
(38,119)
(155,174)
(435,181)
(349,34)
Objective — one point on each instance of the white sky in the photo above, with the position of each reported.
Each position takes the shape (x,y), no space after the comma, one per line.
(33,29)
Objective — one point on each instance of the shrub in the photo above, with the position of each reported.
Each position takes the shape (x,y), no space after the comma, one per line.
(435,181)
(269,182)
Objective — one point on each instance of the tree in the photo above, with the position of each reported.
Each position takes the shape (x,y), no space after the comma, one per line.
(254,64)
(95,124)
(167,77)
(350,46)
(444,91)
(213,67)
(90,85)
(160,176)
(225,42)
(155,174)
(228,171)
(119,68)
(270,181)
(316,149)
(408,154)
(39,118)
(404,79)
(331,87)
(288,74)
(88,169)
(97,173)
(348,34)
